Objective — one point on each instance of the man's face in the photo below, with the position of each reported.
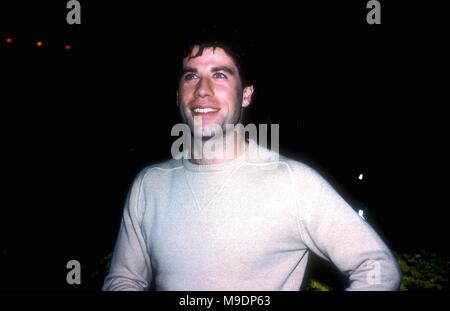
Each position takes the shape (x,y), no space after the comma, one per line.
(210,88)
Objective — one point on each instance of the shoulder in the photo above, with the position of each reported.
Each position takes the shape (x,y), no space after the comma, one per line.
(280,167)
(302,171)
(158,170)
(263,157)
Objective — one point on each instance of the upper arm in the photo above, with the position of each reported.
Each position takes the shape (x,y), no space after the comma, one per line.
(130,267)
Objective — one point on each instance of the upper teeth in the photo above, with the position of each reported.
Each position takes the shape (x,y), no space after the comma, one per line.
(205,110)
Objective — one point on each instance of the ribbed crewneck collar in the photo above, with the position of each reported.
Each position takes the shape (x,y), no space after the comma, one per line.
(252,145)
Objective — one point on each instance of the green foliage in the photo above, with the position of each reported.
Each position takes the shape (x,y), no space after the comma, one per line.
(317,286)
(423,271)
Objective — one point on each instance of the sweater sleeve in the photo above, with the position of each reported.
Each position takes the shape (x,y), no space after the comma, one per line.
(333,230)
(130,268)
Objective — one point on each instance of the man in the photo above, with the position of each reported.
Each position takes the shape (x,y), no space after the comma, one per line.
(236,220)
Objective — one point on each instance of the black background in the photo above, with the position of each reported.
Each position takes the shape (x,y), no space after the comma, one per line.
(77,125)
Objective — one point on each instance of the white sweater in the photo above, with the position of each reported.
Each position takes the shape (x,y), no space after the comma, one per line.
(244,225)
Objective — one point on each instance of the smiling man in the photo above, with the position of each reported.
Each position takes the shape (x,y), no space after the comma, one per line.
(211,96)
(210,87)
(245,222)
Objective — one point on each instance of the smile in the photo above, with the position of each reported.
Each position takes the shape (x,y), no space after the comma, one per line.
(205,110)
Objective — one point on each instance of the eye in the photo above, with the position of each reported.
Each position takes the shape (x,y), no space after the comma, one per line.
(190,76)
(219,75)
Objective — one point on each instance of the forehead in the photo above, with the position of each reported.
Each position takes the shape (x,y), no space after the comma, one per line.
(210,57)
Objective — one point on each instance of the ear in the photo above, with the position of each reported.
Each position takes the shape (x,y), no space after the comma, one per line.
(247,96)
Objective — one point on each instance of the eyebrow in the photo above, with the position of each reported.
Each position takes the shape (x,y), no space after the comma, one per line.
(188,69)
(227,69)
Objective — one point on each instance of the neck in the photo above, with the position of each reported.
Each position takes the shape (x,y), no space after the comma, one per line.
(218,150)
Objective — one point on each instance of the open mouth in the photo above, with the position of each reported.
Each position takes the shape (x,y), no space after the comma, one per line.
(200,111)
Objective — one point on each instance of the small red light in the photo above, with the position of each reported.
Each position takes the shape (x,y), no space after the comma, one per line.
(8,40)
(68,47)
(39,43)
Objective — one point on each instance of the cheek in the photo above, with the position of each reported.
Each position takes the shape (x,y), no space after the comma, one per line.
(227,95)
(185,91)
(183,99)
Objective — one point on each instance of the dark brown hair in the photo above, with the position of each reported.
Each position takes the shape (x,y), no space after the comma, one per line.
(236,54)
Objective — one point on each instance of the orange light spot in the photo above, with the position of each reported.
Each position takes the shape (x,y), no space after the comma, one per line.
(39,43)
(8,40)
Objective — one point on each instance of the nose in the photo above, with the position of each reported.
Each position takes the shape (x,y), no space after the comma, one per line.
(203,88)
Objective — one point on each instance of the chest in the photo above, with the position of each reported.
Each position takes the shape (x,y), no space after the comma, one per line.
(243,223)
